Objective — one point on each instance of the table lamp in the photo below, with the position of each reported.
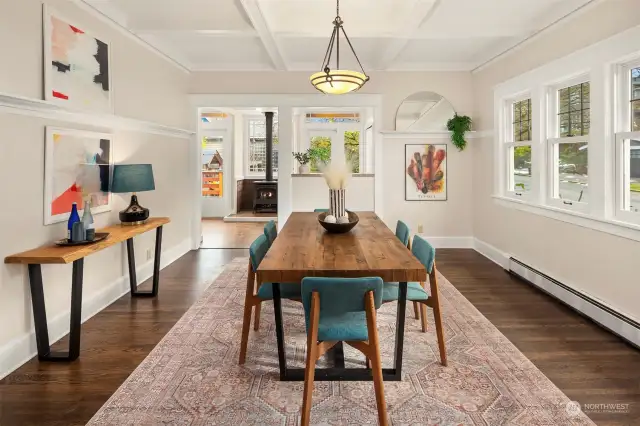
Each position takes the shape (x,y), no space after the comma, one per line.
(133,178)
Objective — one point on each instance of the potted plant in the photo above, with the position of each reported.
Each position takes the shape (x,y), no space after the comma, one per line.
(303,159)
(459,125)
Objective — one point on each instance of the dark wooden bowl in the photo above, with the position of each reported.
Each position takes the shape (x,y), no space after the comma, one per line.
(339,228)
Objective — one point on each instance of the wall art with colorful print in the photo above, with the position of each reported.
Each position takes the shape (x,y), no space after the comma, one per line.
(425,172)
(76,66)
(78,167)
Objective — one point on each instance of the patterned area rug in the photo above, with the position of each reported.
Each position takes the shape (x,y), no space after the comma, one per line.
(192,377)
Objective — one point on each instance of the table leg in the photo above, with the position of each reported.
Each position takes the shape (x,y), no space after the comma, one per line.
(277,310)
(40,314)
(131,258)
(400,319)
(336,354)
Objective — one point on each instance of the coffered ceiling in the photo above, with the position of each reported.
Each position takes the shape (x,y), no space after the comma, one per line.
(293,34)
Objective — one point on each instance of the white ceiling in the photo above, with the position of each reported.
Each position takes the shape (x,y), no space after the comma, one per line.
(294,34)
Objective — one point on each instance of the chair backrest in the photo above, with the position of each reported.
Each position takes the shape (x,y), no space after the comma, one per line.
(340,295)
(320,210)
(424,251)
(258,250)
(402,232)
(270,231)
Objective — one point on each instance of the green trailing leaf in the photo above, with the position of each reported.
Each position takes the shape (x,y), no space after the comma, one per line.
(458,125)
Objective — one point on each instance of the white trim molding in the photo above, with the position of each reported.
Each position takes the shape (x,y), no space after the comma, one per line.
(13,104)
(492,253)
(449,242)
(22,349)
(436,135)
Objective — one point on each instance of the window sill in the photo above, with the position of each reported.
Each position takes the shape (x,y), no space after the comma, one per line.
(355,175)
(609,226)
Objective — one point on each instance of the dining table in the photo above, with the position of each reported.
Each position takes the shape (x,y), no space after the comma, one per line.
(303,248)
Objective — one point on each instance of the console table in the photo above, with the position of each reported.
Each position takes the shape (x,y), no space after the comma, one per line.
(52,254)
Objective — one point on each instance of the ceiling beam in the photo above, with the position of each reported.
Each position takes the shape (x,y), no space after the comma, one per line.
(421,12)
(255,15)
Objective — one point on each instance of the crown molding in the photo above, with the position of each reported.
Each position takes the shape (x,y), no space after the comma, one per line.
(124,31)
(13,104)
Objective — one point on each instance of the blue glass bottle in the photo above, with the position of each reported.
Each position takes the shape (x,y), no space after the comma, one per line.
(73,218)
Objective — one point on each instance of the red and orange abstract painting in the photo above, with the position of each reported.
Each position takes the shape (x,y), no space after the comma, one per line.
(426,172)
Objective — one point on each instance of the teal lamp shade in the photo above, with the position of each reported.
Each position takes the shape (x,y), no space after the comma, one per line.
(132,178)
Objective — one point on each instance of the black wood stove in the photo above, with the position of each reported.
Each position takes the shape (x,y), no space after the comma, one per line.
(265,198)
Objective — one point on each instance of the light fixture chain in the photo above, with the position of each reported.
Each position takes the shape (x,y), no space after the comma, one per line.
(327,56)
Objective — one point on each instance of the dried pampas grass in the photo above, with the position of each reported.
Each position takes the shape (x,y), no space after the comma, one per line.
(88,179)
(336,175)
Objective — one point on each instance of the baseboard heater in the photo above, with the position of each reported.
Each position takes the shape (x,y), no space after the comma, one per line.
(617,323)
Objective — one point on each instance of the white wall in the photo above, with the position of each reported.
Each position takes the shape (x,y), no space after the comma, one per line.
(393,87)
(145,86)
(311,192)
(602,265)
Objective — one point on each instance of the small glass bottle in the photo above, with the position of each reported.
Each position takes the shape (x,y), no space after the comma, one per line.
(87,222)
(73,218)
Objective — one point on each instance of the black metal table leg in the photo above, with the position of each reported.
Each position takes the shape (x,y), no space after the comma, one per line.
(40,314)
(133,280)
(400,319)
(277,310)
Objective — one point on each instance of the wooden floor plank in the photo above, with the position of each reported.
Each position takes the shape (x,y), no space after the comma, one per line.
(587,363)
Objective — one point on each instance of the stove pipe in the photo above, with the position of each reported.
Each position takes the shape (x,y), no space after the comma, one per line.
(269,141)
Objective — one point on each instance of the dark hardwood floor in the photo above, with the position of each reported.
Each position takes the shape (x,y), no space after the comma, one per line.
(587,363)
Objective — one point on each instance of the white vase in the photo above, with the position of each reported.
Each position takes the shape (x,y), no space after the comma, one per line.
(303,169)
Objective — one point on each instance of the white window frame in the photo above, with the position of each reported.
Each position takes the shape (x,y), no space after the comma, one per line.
(308,130)
(508,144)
(623,136)
(554,139)
(245,162)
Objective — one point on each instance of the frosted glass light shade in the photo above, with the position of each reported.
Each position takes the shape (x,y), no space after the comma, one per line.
(338,82)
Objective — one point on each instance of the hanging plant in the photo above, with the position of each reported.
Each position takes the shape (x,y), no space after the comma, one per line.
(459,125)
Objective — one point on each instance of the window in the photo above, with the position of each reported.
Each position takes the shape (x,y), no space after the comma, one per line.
(212,166)
(518,136)
(628,145)
(568,147)
(256,160)
(573,110)
(335,136)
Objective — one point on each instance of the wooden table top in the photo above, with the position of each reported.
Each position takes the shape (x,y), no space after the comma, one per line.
(304,249)
(56,254)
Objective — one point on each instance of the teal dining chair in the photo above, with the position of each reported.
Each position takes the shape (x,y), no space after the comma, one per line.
(270,231)
(342,310)
(253,298)
(426,254)
(404,235)
(320,210)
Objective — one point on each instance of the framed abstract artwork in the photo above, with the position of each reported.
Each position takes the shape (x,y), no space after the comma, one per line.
(77,70)
(78,167)
(425,172)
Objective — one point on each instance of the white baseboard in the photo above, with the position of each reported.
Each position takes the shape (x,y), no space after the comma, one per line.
(265,219)
(608,317)
(449,242)
(497,256)
(20,350)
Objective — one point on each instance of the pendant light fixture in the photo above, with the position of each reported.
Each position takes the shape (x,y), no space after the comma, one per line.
(338,81)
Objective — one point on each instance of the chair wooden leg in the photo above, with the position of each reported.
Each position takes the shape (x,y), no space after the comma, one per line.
(310,367)
(416,310)
(246,318)
(437,316)
(423,312)
(256,320)
(246,324)
(376,362)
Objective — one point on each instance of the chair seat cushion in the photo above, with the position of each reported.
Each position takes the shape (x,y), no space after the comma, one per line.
(344,326)
(391,291)
(287,291)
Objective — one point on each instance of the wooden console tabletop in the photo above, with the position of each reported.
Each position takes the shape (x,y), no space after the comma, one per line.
(51,254)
